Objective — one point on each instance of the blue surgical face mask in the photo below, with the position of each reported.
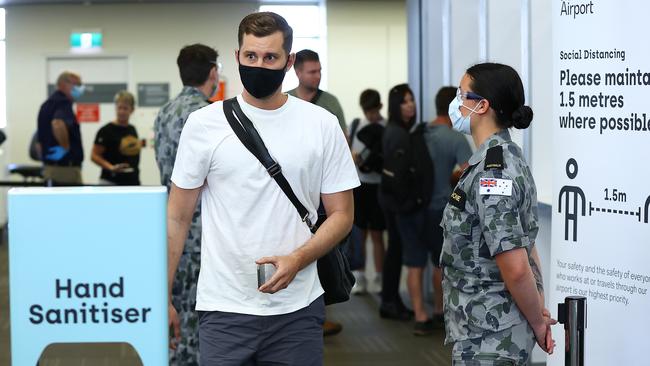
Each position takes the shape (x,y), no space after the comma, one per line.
(77,91)
(460,123)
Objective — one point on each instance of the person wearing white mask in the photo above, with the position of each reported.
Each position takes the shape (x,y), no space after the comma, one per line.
(492,283)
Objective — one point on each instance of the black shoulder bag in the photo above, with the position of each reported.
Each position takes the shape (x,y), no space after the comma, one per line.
(334,272)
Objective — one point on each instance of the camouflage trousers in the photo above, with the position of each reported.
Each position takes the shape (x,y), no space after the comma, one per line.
(509,347)
(184,300)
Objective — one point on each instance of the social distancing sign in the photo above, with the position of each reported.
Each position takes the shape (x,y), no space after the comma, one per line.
(601,130)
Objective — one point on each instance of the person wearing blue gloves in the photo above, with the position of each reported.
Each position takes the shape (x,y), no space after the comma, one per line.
(59,133)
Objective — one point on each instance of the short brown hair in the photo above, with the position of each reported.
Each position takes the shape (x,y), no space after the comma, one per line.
(67,76)
(445,95)
(264,24)
(195,63)
(304,56)
(369,99)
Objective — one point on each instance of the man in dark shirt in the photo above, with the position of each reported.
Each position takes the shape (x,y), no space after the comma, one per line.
(59,133)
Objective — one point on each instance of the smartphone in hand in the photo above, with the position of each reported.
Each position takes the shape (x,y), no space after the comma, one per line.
(264,273)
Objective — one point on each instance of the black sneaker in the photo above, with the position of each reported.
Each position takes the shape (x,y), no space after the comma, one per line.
(403,308)
(393,311)
(423,328)
(438,321)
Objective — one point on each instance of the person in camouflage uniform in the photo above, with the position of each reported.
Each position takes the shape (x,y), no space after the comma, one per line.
(493,290)
(197,66)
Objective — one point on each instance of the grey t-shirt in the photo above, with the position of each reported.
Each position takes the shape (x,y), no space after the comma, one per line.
(447,148)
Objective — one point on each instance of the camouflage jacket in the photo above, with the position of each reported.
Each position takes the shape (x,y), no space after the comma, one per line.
(493,209)
(167,131)
(168,126)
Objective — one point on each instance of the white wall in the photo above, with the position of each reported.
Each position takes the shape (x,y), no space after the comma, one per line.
(542,98)
(366,49)
(149,34)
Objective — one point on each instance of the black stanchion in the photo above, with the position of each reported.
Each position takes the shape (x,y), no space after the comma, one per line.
(573,314)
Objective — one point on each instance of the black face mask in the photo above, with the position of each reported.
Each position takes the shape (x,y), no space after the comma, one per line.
(261,82)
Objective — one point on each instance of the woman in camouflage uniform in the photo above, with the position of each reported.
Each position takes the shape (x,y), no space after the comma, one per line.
(493,291)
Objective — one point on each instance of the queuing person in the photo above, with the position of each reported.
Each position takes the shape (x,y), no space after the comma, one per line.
(407,186)
(117,148)
(249,221)
(59,134)
(449,150)
(365,136)
(401,118)
(308,70)
(197,65)
(493,288)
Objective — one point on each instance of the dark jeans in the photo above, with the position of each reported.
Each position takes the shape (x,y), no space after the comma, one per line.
(392,260)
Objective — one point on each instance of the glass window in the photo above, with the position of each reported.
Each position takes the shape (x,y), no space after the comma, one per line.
(307,22)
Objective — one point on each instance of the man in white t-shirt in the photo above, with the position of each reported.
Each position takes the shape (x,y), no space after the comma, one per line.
(248,220)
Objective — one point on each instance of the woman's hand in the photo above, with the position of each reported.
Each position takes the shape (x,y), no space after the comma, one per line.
(543,333)
(118,168)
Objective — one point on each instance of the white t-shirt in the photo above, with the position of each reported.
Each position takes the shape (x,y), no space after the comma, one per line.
(245,214)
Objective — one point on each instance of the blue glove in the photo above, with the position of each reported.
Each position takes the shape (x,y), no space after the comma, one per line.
(56,153)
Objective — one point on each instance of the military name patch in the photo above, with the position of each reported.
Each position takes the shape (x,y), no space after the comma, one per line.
(457,199)
(500,187)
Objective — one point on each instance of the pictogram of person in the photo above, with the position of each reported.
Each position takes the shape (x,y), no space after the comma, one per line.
(571,215)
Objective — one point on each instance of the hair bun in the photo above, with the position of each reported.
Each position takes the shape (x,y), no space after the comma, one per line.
(522,117)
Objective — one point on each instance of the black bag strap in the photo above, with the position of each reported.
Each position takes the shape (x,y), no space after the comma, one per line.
(247,134)
(353,129)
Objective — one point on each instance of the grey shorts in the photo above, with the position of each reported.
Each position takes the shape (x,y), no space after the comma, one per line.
(239,339)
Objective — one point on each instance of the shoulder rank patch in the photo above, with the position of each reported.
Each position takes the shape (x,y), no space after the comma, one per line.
(494,186)
(457,199)
(494,158)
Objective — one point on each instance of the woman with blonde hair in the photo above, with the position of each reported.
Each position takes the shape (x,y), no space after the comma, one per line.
(117,148)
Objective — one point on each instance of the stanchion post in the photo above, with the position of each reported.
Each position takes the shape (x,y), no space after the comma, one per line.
(573,314)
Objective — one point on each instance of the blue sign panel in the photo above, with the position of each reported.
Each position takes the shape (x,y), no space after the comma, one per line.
(88,264)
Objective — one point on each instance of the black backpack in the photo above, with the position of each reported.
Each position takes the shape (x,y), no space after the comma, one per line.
(407,174)
(371,156)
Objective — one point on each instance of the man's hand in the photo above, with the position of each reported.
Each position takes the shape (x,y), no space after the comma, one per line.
(287,266)
(174,324)
(56,153)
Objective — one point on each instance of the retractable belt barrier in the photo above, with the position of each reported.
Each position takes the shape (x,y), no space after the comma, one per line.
(573,314)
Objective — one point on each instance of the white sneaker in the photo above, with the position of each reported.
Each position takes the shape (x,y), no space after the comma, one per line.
(360,283)
(374,286)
